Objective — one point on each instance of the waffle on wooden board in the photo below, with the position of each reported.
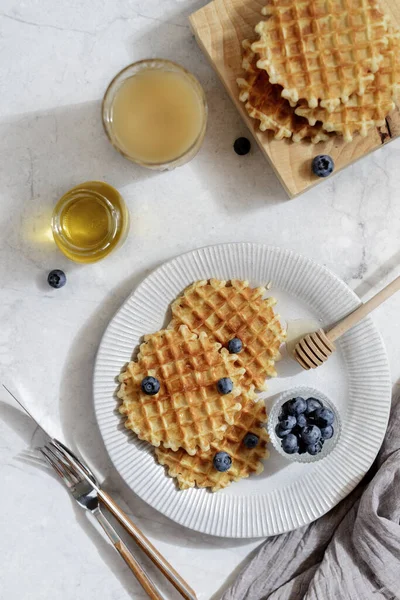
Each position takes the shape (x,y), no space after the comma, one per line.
(221,27)
(264,101)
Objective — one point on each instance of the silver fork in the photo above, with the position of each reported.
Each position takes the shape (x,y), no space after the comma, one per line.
(87,497)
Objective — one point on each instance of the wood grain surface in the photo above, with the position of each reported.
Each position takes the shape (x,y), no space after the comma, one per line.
(219,28)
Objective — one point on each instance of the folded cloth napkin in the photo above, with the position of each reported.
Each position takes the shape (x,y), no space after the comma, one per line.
(351,553)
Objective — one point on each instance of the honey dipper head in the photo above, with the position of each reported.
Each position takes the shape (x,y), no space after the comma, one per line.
(313,350)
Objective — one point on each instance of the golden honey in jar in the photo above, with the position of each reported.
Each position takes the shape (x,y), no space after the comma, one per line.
(90,221)
(155,114)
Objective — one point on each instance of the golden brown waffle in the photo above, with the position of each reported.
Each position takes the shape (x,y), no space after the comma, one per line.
(225,310)
(361,113)
(188,412)
(199,469)
(321,50)
(265,103)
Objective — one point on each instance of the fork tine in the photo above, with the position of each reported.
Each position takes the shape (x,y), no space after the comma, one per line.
(65,467)
(64,462)
(73,460)
(67,476)
(54,464)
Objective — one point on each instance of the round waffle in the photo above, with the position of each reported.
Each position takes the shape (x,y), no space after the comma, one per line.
(264,102)
(225,310)
(321,50)
(188,411)
(361,113)
(199,469)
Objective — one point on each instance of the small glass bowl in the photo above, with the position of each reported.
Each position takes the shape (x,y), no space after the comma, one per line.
(304,392)
(113,207)
(131,71)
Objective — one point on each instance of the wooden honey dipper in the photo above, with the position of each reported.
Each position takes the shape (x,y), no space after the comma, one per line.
(315,348)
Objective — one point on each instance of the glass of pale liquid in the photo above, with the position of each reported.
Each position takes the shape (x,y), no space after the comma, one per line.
(155,114)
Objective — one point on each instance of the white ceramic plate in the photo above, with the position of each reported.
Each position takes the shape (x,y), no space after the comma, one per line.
(356,378)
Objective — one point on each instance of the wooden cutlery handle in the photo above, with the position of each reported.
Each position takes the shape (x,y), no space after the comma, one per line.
(180,584)
(364,310)
(139,573)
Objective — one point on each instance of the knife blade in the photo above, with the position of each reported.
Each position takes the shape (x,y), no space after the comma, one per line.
(88,475)
(26,411)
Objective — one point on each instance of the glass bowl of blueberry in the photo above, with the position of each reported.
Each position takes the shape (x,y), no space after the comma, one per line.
(304,425)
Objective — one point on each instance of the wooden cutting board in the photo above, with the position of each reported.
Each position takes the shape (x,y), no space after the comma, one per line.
(219,28)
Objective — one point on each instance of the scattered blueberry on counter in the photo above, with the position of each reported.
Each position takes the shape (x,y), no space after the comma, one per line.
(225,385)
(304,425)
(222,462)
(242,146)
(57,279)
(150,386)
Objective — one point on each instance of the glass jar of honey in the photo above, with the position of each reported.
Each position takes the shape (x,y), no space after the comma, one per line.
(155,114)
(89,221)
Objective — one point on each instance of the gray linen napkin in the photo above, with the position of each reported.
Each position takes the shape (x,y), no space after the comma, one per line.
(351,553)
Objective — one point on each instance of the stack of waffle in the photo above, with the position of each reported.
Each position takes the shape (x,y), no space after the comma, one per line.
(321,66)
(189,420)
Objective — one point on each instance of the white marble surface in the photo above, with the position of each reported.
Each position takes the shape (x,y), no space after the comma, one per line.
(56,60)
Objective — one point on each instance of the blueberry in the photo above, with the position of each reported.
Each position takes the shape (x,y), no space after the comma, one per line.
(327,432)
(281,432)
(250,440)
(242,146)
(323,417)
(285,408)
(290,444)
(225,385)
(322,165)
(150,386)
(288,423)
(312,405)
(235,345)
(301,421)
(296,406)
(314,449)
(311,434)
(222,462)
(56,279)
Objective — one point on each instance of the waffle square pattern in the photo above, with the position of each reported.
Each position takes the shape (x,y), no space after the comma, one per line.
(198,470)
(225,310)
(362,113)
(263,101)
(321,50)
(188,411)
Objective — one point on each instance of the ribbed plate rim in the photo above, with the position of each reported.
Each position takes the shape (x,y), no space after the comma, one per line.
(216,514)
